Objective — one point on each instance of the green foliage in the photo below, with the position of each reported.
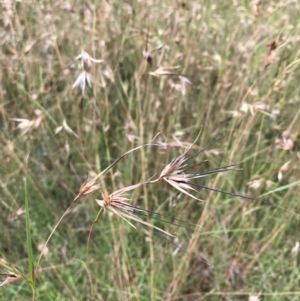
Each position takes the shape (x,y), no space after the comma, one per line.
(29,243)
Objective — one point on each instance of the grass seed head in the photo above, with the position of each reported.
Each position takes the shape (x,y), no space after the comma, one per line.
(118,204)
(9,278)
(83,78)
(88,187)
(174,174)
(86,60)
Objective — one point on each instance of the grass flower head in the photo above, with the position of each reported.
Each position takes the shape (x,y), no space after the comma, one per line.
(118,204)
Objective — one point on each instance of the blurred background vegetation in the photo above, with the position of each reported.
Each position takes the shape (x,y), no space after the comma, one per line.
(174,67)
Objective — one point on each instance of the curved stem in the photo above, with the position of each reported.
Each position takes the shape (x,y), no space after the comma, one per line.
(52,232)
(100,213)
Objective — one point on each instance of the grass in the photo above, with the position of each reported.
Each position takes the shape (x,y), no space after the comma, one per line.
(174,68)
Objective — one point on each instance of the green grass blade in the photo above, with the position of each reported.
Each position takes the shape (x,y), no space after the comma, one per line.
(29,244)
(281,188)
(11,269)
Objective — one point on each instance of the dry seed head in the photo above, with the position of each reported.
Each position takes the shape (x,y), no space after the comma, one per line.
(173,174)
(118,204)
(26,125)
(88,187)
(10,277)
(181,85)
(161,71)
(66,127)
(175,165)
(86,60)
(116,200)
(83,78)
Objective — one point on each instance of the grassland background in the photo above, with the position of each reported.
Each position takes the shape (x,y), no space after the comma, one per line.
(239,85)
